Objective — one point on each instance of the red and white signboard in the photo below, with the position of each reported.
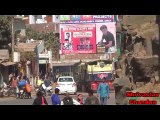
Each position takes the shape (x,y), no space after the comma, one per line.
(78,38)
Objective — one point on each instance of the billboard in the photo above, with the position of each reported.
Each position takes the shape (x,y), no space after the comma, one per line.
(77,19)
(106,37)
(87,17)
(64,17)
(78,38)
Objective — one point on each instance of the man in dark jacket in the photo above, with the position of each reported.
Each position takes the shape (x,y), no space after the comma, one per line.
(68,100)
(38,100)
(47,82)
(91,99)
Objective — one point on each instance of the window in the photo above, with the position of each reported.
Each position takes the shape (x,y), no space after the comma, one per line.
(98,77)
(65,80)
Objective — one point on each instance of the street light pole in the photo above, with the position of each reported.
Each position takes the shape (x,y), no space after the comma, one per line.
(12,38)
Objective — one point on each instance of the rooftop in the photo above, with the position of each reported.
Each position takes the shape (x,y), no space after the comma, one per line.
(26,47)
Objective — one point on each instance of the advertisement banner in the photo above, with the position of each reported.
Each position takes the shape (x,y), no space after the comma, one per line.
(106,37)
(64,17)
(76,19)
(87,17)
(78,38)
(104,17)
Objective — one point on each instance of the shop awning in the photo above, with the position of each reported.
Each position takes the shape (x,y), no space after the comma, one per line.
(8,63)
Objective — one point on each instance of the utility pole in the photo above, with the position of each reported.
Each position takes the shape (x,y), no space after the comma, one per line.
(12,38)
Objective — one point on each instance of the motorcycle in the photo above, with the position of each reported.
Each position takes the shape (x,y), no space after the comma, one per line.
(22,93)
(47,91)
(8,90)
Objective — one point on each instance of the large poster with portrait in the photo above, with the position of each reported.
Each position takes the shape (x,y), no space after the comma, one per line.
(78,38)
(106,37)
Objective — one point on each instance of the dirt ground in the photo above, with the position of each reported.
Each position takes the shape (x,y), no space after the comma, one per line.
(149,87)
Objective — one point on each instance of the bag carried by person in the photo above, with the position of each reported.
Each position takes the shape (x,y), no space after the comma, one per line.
(43,103)
(28,88)
(22,83)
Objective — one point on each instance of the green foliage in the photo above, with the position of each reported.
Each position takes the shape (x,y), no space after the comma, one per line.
(51,41)
(5,24)
(32,34)
(5,31)
(27,56)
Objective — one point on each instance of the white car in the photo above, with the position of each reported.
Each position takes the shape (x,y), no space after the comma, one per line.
(67,84)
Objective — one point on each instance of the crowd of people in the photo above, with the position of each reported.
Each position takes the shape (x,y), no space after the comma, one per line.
(20,82)
(67,100)
(101,98)
(121,85)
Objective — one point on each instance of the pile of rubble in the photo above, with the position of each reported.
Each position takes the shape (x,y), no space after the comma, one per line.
(149,87)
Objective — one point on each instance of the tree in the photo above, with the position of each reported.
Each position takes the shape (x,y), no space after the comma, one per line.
(32,34)
(5,32)
(27,56)
(51,40)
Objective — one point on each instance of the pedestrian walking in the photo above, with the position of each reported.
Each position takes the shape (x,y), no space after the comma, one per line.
(54,85)
(39,81)
(68,100)
(17,88)
(91,99)
(55,98)
(11,76)
(103,92)
(80,99)
(27,87)
(14,84)
(47,82)
(40,100)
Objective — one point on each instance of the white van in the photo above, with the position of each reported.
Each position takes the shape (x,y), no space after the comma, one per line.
(67,84)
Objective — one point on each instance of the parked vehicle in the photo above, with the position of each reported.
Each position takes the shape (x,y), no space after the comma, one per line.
(23,93)
(8,91)
(67,83)
(96,70)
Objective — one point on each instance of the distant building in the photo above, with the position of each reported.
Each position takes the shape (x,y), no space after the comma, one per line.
(45,23)
(39,19)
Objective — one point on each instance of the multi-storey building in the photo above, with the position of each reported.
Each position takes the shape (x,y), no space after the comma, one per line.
(39,19)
